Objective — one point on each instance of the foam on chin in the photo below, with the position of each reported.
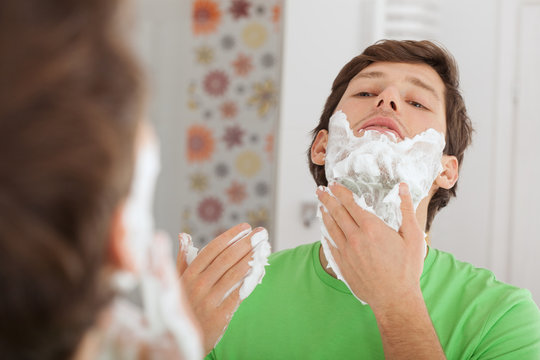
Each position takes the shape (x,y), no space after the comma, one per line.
(373,166)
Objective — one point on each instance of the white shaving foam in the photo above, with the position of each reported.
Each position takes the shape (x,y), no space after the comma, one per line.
(372,167)
(186,246)
(240,236)
(254,276)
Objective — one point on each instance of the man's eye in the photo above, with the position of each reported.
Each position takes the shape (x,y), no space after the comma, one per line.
(417,105)
(365,94)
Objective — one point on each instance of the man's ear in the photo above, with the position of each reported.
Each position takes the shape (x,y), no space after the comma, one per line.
(450,174)
(318,149)
(118,253)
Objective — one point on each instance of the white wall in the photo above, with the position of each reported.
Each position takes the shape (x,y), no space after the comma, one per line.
(464,227)
(161,34)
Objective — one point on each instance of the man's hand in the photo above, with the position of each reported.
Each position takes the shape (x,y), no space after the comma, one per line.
(217,268)
(383,268)
(379,264)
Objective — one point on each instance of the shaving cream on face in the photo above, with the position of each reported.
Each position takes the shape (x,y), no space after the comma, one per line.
(372,167)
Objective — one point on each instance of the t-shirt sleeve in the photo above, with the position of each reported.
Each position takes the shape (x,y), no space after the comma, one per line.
(513,334)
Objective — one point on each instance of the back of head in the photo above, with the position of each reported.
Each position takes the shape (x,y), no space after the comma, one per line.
(458,125)
(69,108)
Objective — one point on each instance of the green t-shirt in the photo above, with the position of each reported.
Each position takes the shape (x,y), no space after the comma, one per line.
(301,312)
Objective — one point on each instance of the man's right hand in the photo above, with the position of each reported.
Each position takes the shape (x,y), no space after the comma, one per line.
(216,269)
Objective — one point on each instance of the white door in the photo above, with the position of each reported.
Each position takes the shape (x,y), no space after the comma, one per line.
(524,249)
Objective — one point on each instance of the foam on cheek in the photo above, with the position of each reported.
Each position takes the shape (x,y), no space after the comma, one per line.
(373,166)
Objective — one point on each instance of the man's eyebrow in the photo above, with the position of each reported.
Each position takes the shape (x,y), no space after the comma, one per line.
(417,82)
(413,80)
(370,75)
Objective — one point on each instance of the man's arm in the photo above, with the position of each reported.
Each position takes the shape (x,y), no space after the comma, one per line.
(406,330)
(383,268)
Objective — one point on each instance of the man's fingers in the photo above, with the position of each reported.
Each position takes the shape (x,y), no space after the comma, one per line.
(231,278)
(209,253)
(230,304)
(339,214)
(228,258)
(409,225)
(333,230)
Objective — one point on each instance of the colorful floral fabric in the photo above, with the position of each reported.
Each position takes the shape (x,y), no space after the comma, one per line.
(232,106)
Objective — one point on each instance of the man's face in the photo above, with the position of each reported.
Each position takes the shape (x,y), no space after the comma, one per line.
(400,98)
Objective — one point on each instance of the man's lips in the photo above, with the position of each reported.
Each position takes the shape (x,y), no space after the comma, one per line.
(383,124)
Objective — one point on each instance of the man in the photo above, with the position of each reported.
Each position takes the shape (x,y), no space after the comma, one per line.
(421,306)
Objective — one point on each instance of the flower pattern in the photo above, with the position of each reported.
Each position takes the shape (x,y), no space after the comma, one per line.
(267,60)
(254,35)
(200,143)
(264,97)
(216,83)
(262,189)
(221,170)
(204,54)
(206,16)
(231,97)
(236,193)
(276,14)
(269,148)
(199,182)
(233,136)
(239,9)
(242,65)
(210,209)
(227,42)
(248,163)
(228,110)
(258,217)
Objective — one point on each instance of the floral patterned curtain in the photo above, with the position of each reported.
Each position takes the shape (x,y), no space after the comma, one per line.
(232,115)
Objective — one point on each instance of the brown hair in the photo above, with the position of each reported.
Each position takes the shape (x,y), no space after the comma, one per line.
(458,125)
(70,95)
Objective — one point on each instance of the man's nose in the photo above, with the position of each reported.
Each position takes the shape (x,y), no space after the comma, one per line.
(388,98)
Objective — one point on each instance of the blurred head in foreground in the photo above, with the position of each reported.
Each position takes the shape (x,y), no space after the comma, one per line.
(71,139)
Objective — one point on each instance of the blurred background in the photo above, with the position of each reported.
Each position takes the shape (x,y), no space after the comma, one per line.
(237,85)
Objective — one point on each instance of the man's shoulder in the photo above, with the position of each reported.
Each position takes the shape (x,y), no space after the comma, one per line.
(446,266)
(480,285)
